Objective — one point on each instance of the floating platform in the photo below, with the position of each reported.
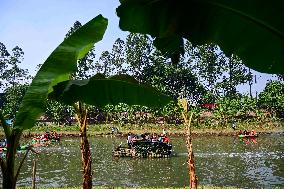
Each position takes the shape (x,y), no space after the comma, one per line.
(144,149)
(248,136)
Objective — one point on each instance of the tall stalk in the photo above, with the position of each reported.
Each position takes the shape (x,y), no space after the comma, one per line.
(191,165)
(81,115)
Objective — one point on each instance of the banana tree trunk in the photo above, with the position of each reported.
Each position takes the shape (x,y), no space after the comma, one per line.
(191,166)
(85,147)
(8,163)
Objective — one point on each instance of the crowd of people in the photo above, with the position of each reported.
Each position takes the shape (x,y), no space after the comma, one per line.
(148,137)
(247,133)
(47,136)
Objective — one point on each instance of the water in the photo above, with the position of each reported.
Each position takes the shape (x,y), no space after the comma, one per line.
(220,161)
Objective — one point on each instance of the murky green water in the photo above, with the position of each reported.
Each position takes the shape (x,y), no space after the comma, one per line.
(220,161)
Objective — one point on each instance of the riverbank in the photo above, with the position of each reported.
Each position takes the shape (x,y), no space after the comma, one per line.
(172,130)
(103,187)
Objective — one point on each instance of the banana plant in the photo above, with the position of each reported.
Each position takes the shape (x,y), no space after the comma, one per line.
(100,91)
(253,30)
(57,68)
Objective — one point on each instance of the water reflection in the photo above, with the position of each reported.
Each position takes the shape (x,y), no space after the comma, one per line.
(220,161)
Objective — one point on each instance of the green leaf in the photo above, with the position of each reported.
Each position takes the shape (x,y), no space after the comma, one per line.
(101,92)
(57,68)
(253,30)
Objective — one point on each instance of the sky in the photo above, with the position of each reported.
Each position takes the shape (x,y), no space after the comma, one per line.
(39,26)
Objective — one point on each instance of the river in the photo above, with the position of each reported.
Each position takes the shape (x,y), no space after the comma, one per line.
(220,161)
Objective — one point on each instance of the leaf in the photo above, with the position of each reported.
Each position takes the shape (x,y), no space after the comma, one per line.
(253,30)
(114,90)
(57,68)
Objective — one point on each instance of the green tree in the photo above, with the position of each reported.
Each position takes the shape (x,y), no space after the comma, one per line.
(272,97)
(14,79)
(14,74)
(209,66)
(55,69)
(237,74)
(113,62)
(4,57)
(172,80)
(13,97)
(138,51)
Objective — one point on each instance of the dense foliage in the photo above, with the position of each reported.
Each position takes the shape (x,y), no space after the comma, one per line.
(272,97)
(204,76)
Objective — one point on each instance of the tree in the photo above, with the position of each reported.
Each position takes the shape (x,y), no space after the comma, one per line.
(138,50)
(55,69)
(13,97)
(4,56)
(237,74)
(209,66)
(272,97)
(13,74)
(113,62)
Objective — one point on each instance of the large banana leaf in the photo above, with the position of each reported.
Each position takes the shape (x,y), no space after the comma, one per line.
(253,30)
(100,91)
(57,68)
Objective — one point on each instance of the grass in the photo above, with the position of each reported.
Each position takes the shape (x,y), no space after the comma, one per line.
(103,187)
(105,129)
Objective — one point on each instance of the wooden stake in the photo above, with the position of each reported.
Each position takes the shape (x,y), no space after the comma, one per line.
(34,175)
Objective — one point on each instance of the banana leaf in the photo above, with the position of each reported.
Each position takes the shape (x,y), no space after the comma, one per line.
(253,30)
(57,68)
(101,91)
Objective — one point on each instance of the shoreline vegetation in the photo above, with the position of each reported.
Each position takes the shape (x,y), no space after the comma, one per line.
(171,129)
(103,187)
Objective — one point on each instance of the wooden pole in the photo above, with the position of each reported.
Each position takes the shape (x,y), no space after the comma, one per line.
(34,175)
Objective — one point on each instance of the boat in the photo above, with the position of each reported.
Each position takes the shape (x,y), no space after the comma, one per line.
(144,149)
(247,134)
(45,139)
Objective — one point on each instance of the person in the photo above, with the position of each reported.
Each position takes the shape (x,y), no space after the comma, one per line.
(129,139)
(164,131)
(154,137)
(166,139)
(161,138)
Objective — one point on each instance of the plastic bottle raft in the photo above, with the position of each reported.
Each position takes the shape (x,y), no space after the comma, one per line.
(144,149)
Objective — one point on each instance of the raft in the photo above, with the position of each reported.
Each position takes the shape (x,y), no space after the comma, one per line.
(144,149)
(247,136)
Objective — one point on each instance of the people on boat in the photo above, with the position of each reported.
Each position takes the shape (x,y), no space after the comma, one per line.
(247,133)
(166,139)
(154,137)
(147,137)
(130,139)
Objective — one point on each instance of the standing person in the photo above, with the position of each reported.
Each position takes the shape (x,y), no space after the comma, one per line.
(129,139)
